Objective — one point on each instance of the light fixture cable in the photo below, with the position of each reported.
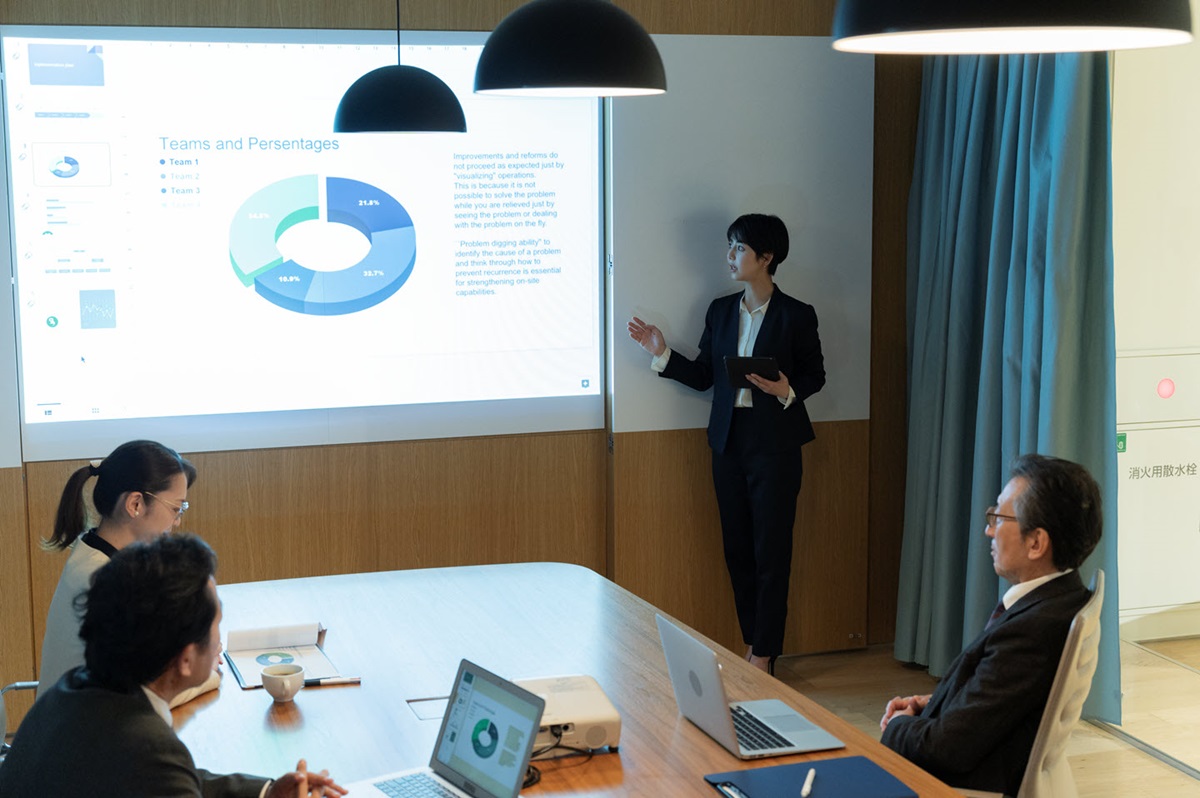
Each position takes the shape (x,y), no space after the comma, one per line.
(399,99)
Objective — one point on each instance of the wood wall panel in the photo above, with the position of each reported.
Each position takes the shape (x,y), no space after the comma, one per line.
(276,513)
(667,537)
(746,18)
(829,567)
(16,630)
(897,100)
(753,17)
(370,14)
(43,488)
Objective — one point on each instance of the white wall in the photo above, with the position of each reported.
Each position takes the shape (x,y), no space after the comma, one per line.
(1156,216)
(686,164)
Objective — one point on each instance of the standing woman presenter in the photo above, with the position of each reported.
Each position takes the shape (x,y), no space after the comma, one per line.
(756,434)
(140,493)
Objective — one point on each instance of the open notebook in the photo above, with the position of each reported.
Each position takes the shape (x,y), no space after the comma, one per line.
(248,651)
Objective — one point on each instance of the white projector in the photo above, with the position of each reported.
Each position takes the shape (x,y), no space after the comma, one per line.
(578,711)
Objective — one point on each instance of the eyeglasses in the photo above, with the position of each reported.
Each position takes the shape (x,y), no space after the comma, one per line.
(179,509)
(994,519)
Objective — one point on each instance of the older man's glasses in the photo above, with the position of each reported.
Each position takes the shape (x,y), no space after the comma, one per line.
(179,509)
(995,519)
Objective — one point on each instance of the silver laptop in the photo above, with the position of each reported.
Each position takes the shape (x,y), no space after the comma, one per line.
(482,749)
(747,729)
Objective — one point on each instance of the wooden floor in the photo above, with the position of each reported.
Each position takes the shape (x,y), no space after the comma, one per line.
(1185,651)
(1161,704)
(857,685)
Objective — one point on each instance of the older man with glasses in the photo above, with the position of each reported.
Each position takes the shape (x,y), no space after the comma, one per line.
(977,728)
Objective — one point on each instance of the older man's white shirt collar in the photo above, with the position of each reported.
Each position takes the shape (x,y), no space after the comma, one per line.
(1022,589)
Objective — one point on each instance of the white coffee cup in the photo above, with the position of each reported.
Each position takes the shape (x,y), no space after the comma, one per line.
(283,681)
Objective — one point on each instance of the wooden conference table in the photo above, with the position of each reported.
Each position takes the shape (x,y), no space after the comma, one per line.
(404,633)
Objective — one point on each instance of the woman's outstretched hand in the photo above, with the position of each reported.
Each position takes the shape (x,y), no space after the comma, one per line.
(647,336)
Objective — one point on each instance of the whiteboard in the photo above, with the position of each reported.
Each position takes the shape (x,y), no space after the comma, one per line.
(767,124)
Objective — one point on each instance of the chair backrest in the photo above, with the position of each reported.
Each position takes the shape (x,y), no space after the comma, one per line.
(1048,772)
(4,715)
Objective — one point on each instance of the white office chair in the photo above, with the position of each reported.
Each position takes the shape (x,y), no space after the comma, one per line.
(1048,774)
(4,715)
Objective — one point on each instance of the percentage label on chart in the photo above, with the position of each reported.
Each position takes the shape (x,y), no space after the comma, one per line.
(256,215)
(289,278)
(372,272)
(368,202)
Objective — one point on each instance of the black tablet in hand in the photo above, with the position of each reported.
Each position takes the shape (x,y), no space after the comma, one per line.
(738,367)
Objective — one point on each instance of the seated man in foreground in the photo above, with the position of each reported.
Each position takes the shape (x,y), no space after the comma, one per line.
(977,728)
(150,631)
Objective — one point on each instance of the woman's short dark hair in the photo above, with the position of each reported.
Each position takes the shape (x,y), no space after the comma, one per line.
(132,466)
(764,234)
(1062,498)
(145,605)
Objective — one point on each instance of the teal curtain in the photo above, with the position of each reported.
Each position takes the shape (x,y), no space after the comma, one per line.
(1010,325)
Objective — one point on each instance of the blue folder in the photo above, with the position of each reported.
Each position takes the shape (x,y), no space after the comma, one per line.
(845,777)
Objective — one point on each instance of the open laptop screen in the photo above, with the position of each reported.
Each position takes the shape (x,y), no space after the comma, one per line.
(487,733)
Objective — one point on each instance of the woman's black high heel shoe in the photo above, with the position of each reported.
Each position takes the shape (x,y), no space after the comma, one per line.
(771,664)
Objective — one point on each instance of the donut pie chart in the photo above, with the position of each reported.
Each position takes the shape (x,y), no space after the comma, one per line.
(274,658)
(484,738)
(65,166)
(271,210)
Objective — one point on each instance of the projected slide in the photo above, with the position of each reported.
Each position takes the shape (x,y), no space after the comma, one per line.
(270,212)
(179,197)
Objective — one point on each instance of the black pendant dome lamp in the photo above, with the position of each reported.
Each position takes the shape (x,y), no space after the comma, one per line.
(1008,26)
(399,99)
(570,48)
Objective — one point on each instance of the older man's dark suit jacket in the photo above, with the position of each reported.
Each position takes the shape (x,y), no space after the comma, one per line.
(84,740)
(789,334)
(978,729)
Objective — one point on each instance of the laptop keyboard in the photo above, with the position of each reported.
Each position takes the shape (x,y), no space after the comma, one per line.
(754,735)
(414,785)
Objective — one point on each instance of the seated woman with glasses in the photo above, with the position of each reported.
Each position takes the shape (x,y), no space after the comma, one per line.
(140,493)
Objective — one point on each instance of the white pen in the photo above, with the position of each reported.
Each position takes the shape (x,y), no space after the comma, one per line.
(332,680)
(808,780)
